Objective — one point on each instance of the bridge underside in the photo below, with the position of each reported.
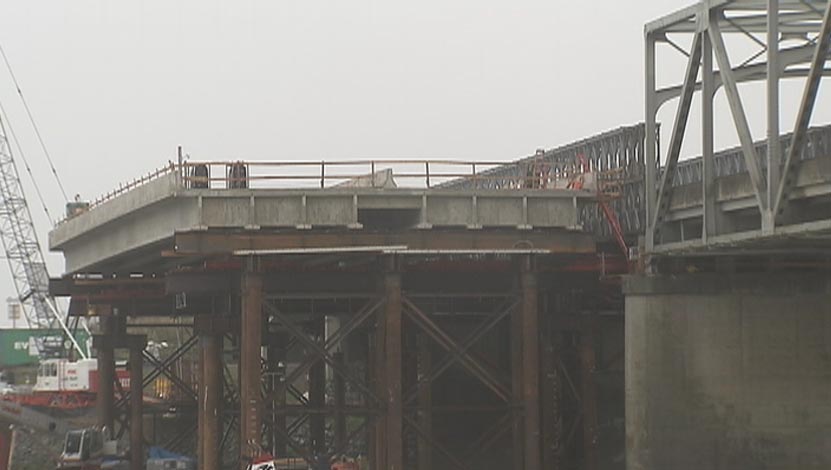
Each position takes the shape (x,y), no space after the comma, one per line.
(430,350)
(415,329)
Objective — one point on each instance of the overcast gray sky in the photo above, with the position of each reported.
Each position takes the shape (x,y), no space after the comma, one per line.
(116,86)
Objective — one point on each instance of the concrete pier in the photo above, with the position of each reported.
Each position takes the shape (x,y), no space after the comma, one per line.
(728,371)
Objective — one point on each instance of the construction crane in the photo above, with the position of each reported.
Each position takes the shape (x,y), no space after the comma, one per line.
(24,254)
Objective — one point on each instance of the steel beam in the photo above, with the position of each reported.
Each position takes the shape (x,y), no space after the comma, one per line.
(774,154)
(136,346)
(163,368)
(530,364)
(317,393)
(319,350)
(425,402)
(208,242)
(334,340)
(588,365)
(392,367)
(210,402)
(678,130)
(277,354)
(340,404)
(788,58)
(375,378)
(651,160)
(477,333)
(6,447)
(806,109)
(550,404)
(251,295)
(731,89)
(459,353)
(708,160)
(517,410)
(106,371)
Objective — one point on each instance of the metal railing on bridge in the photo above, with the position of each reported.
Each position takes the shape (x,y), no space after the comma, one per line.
(731,162)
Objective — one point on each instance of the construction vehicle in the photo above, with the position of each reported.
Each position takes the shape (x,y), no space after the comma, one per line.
(64,385)
(86,449)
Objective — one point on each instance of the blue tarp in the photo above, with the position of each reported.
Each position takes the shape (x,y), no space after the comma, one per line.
(159,453)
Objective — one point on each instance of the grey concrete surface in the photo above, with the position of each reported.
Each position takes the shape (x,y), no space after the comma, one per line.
(155,211)
(728,372)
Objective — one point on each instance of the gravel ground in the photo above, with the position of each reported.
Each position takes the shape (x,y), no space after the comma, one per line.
(35,450)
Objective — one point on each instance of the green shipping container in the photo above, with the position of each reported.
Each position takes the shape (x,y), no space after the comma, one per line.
(20,347)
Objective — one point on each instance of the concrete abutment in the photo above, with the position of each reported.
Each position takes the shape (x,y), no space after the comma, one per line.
(728,371)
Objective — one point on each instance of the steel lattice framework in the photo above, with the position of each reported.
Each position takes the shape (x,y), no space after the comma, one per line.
(28,268)
(793,42)
(619,149)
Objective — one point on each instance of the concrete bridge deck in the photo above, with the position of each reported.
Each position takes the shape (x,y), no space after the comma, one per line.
(147,218)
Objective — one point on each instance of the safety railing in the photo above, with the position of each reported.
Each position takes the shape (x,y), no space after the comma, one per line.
(382,174)
(125,187)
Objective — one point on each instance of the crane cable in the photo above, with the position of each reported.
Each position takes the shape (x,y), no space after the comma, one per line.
(5,117)
(34,125)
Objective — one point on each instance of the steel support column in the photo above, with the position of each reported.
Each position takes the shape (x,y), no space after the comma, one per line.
(6,444)
(376,430)
(774,155)
(530,364)
(105,345)
(806,109)
(651,157)
(251,295)
(277,355)
(677,139)
(210,401)
(734,99)
(317,393)
(136,346)
(550,403)
(425,403)
(589,399)
(516,388)
(340,403)
(710,220)
(392,367)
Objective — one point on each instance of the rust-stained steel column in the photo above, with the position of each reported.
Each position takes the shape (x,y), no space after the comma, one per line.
(277,355)
(6,443)
(340,403)
(136,346)
(393,365)
(425,403)
(550,403)
(375,429)
(210,393)
(105,347)
(251,295)
(517,447)
(589,399)
(530,364)
(317,394)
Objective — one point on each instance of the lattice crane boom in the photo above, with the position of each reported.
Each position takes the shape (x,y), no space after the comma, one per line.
(23,251)
(20,241)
